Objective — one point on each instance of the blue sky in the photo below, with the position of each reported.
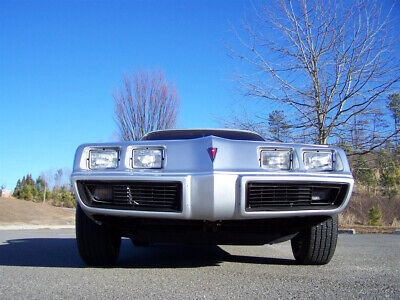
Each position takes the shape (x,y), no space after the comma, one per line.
(60,61)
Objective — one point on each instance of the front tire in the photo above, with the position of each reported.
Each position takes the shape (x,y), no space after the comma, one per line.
(97,244)
(316,245)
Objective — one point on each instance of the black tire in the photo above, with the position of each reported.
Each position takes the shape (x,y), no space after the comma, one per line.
(316,245)
(97,245)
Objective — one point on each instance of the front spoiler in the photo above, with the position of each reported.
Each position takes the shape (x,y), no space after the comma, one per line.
(214,196)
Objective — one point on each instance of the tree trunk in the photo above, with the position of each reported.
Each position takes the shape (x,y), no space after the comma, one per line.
(44,194)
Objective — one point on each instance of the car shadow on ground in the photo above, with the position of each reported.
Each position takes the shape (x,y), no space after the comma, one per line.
(63,253)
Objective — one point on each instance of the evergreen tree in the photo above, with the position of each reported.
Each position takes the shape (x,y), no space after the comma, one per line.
(17,190)
(375,216)
(278,126)
(37,190)
(40,183)
(364,174)
(389,178)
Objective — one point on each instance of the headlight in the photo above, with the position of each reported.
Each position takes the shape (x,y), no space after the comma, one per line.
(318,160)
(276,159)
(103,159)
(147,158)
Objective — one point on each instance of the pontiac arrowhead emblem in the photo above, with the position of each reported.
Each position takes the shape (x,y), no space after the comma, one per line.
(212,152)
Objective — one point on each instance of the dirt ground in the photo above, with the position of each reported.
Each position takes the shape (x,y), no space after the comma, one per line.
(21,212)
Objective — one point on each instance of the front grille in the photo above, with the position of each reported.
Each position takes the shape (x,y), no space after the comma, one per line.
(133,195)
(293,196)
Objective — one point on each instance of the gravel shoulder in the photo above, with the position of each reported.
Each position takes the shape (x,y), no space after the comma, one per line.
(370,229)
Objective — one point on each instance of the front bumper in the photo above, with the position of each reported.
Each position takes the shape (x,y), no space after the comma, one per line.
(214,196)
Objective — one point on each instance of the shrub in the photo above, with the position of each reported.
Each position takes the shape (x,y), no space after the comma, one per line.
(375,216)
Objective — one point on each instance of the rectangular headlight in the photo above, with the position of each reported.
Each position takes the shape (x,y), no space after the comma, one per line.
(278,159)
(318,160)
(147,158)
(103,159)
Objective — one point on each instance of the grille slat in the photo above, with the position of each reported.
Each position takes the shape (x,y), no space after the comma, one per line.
(138,195)
(288,196)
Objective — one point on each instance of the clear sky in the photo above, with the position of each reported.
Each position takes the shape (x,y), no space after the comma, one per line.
(61,60)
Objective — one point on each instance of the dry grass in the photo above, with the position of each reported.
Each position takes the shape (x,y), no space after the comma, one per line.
(21,212)
(362,200)
(396,223)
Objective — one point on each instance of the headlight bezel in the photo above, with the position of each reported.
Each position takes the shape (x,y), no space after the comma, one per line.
(289,152)
(148,148)
(103,150)
(331,154)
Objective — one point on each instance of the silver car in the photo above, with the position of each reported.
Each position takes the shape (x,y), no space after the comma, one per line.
(209,186)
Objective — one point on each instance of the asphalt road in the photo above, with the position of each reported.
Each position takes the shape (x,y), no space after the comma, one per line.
(38,264)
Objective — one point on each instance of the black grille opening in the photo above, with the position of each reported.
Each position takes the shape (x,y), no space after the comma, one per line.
(133,195)
(294,196)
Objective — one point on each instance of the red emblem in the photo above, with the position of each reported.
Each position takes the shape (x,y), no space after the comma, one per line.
(212,152)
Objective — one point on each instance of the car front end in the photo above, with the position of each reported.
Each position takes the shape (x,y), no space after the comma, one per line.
(212,190)
(243,181)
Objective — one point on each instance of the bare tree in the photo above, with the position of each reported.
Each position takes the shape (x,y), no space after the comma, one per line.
(147,102)
(394,106)
(327,62)
(246,122)
(275,127)
(58,177)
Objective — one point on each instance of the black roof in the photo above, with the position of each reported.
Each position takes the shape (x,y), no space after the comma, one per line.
(185,134)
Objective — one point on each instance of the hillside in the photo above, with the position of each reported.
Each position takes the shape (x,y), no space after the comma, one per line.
(356,213)
(21,212)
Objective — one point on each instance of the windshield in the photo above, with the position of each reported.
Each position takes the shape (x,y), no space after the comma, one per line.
(198,133)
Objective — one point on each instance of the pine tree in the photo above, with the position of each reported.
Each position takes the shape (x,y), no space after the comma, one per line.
(278,126)
(364,174)
(375,216)
(17,190)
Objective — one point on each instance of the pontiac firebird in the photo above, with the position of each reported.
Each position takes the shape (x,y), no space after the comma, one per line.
(209,186)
